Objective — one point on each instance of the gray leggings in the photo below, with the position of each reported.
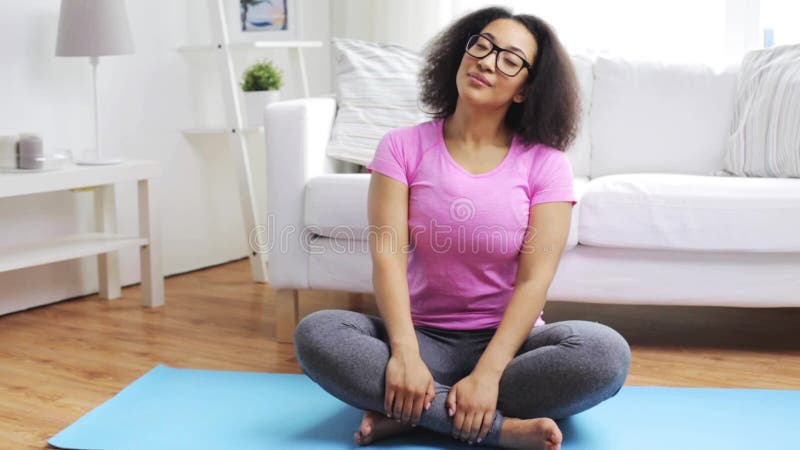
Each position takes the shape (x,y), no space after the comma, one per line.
(562,368)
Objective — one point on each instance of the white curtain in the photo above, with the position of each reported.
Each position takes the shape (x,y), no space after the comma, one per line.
(410,23)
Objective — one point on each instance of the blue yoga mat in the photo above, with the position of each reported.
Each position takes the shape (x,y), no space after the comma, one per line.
(176,409)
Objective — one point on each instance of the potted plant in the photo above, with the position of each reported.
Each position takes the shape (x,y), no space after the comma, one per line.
(261,84)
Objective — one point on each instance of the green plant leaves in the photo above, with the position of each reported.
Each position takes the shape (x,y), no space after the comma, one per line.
(262,76)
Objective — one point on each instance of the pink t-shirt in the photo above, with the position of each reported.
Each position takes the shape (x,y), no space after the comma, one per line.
(466,230)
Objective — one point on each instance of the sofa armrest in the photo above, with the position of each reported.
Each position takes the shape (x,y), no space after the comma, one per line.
(297,133)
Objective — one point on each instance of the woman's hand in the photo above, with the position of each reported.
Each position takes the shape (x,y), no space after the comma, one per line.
(473,401)
(409,388)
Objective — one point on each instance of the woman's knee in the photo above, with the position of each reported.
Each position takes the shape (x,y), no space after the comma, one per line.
(307,332)
(321,322)
(609,349)
(326,325)
(314,334)
(309,325)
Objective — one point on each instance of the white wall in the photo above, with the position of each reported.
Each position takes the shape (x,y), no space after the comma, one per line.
(145,99)
(715,32)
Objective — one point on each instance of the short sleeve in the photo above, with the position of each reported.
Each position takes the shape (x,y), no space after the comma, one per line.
(389,160)
(552,178)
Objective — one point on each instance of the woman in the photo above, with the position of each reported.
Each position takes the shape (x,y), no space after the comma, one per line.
(460,346)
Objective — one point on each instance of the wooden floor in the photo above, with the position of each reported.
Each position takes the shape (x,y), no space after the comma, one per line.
(58,362)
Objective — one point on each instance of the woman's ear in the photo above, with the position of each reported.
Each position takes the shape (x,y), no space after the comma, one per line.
(519,98)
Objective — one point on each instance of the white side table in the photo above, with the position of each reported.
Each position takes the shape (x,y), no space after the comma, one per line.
(105,242)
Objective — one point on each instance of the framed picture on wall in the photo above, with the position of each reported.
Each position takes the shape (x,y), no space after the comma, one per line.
(263,20)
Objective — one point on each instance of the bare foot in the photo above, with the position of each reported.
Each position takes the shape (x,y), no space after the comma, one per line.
(376,426)
(536,434)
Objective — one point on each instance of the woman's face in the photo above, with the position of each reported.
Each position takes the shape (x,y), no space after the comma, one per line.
(501,89)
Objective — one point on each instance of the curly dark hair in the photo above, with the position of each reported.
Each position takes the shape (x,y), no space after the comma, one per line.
(551,109)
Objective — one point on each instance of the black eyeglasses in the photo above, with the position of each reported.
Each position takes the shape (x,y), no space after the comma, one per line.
(507,62)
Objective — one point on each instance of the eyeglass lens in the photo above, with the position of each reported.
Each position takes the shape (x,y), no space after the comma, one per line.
(507,62)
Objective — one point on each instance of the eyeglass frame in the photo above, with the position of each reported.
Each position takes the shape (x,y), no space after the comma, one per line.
(525,63)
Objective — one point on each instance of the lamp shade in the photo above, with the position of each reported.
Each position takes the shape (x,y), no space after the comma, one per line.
(93,28)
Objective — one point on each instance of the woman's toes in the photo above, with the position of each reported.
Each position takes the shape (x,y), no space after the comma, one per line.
(361,438)
(363,435)
(367,423)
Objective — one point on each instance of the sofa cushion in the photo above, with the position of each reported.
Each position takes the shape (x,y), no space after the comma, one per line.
(580,152)
(764,140)
(652,117)
(376,90)
(691,212)
(336,206)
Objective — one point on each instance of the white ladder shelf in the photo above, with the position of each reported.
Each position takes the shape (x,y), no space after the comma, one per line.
(236,130)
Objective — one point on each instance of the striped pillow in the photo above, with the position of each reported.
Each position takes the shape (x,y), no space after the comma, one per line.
(376,91)
(765,131)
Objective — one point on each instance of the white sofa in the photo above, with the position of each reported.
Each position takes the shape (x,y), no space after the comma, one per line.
(656,221)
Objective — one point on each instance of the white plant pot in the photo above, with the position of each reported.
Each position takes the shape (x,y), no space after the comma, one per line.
(255,102)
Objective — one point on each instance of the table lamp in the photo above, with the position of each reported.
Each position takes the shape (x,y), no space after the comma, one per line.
(94,28)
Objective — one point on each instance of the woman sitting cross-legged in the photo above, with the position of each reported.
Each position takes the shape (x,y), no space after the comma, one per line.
(469,214)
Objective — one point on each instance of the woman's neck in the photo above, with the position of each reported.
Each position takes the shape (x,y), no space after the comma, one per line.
(475,129)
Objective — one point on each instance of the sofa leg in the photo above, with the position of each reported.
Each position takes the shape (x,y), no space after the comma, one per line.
(357,300)
(353,300)
(287,314)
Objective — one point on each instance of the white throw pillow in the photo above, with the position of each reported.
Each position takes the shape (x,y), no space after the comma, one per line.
(376,91)
(765,131)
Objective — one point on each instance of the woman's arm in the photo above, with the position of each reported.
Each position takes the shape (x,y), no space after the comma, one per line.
(409,383)
(387,208)
(548,230)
